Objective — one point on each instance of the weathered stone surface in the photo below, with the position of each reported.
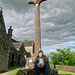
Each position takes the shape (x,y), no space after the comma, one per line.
(26,72)
(54,72)
(37,41)
(65,68)
(19,51)
(32,72)
(30,62)
(4,44)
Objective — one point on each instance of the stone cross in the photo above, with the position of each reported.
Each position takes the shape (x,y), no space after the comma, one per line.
(37,41)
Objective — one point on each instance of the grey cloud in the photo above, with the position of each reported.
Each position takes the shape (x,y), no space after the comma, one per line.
(57,20)
(20,6)
(63,21)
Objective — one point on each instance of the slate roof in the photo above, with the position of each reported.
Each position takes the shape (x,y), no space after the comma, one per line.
(28,43)
(16,45)
(14,41)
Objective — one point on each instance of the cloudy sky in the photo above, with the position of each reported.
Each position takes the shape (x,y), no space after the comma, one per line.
(57,22)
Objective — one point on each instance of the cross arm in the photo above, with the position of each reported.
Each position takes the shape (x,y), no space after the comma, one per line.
(35,1)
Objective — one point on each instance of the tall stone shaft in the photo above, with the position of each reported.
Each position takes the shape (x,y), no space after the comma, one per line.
(37,41)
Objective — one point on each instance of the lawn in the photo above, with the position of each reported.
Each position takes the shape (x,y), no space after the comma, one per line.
(13,71)
(65,72)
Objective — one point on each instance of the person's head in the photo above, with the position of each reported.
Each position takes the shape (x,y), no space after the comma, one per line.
(40,53)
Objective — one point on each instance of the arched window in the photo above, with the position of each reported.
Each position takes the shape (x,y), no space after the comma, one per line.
(1,47)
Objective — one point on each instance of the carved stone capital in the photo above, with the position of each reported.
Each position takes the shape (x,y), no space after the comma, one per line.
(35,1)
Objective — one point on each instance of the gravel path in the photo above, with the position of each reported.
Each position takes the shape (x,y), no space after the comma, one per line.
(4,73)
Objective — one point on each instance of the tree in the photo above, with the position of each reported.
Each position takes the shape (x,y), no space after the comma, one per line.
(24,40)
(63,57)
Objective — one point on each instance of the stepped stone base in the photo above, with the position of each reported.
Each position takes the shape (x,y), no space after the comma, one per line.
(54,72)
(32,72)
(30,63)
(26,72)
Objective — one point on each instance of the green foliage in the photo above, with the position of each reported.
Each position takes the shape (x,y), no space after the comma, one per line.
(13,68)
(63,57)
(49,71)
(48,59)
(48,56)
(50,62)
(24,40)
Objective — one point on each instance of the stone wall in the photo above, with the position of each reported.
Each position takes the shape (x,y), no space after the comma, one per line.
(14,58)
(65,68)
(28,49)
(4,44)
(3,63)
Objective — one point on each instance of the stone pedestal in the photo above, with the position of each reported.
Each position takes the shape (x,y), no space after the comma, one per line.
(30,63)
(54,72)
(32,72)
(26,72)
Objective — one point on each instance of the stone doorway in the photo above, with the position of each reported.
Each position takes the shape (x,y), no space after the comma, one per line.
(12,60)
(19,57)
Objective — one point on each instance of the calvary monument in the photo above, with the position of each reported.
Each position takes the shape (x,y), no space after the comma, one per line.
(37,41)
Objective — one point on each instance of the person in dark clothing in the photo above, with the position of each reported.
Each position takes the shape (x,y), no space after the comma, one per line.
(41,63)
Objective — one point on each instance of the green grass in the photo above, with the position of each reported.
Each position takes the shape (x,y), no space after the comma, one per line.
(65,72)
(14,70)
